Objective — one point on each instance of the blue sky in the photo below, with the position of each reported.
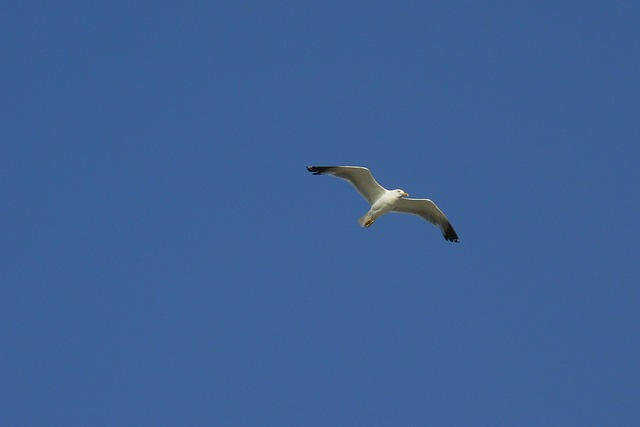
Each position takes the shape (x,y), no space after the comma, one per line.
(167,259)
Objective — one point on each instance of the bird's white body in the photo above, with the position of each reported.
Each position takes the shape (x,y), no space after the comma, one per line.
(383,204)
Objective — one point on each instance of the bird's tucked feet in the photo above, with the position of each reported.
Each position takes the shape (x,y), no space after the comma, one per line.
(368,223)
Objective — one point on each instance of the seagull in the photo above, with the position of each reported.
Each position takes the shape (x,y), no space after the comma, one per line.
(384,201)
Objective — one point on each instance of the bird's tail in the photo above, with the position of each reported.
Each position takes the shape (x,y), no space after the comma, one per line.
(363,219)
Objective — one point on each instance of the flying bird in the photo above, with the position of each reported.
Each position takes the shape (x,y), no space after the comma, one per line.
(384,201)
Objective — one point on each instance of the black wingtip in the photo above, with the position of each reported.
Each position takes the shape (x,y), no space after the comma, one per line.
(317,170)
(450,234)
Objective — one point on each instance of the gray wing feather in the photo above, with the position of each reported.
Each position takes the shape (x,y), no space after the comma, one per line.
(428,210)
(360,177)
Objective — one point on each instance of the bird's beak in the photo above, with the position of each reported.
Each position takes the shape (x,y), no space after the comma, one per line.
(405,194)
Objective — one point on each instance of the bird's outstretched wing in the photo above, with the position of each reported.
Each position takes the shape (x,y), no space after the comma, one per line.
(428,210)
(358,176)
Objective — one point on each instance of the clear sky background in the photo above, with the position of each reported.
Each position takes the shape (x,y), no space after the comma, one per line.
(166,259)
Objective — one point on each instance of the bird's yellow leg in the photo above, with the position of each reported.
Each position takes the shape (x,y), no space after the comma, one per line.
(369,223)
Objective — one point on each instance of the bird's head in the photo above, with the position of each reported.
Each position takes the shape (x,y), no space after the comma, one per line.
(401,193)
